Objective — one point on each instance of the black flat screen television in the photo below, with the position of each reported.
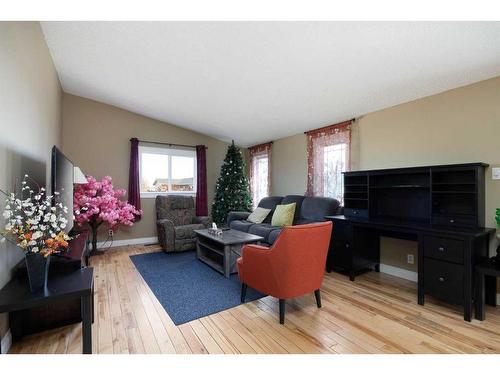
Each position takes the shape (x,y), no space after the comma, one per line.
(61,180)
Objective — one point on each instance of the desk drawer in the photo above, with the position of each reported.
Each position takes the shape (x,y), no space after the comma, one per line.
(454,221)
(355,212)
(340,256)
(444,280)
(341,231)
(340,252)
(442,248)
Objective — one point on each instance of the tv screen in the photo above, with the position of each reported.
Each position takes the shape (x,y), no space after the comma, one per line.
(61,180)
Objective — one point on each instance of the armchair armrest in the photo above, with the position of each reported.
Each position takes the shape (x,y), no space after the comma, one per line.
(165,222)
(255,249)
(166,234)
(237,215)
(255,264)
(257,268)
(205,220)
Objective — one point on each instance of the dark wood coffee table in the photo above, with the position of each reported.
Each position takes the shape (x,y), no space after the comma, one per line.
(221,252)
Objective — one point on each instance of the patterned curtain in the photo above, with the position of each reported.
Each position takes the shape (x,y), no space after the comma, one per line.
(257,174)
(328,155)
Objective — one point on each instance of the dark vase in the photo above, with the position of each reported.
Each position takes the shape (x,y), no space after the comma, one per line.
(94,226)
(38,271)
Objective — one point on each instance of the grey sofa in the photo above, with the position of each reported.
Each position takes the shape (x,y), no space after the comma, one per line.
(308,210)
(176,222)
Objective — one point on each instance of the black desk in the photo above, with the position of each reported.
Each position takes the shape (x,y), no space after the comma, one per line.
(483,270)
(446,260)
(16,296)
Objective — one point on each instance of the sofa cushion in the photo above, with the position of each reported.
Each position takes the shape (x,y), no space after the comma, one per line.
(236,215)
(178,202)
(283,215)
(258,215)
(273,236)
(187,231)
(315,209)
(305,221)
(262,230)
(241,225)
(297,199)
(271,203)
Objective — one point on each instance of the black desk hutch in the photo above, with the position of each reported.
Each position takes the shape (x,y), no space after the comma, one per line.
(440,207)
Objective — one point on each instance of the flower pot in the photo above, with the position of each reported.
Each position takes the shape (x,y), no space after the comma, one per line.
(38,271)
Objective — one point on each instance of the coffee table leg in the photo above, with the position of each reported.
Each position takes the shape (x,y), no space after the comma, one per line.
(87,324)
(227,261)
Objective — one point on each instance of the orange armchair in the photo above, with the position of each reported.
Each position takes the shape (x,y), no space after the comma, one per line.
(293,266)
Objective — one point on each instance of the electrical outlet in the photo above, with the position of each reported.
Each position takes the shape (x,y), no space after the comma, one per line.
(495,173)
(110,232)
(410,259)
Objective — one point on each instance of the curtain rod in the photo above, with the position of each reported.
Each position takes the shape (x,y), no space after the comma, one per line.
(261,144)
(168,144)
(323,127)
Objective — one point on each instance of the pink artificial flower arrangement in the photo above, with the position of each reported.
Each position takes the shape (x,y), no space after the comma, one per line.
(97,202)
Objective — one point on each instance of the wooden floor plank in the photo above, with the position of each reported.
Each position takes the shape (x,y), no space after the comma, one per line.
(377,313)
(105,334)
(226,346)
(192,340)
(206,338)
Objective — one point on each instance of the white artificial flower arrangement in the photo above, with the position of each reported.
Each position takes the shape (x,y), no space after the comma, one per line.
(36,221)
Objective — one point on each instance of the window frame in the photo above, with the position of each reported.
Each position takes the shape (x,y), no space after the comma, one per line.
(168,151)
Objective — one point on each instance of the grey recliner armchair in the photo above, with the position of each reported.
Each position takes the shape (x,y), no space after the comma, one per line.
(177,221)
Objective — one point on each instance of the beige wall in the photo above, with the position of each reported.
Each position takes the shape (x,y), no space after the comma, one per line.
(96,138)
(289,166)
(30,117)
(461,125)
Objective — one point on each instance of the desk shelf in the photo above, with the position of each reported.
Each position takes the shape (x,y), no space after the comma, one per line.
(423,193)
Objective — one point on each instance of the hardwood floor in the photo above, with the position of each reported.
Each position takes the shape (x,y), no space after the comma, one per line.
(376,314)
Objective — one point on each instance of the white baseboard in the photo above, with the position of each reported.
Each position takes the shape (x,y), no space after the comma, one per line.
(132,241)
(6,342)
(399,272)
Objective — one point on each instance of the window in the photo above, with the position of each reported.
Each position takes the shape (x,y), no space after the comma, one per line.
(260,178)
(334,163)
(327,157)
(260,181)
(166,171)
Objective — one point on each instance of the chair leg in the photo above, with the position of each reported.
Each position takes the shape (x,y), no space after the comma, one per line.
(282,311)
(317,294)
(243,292)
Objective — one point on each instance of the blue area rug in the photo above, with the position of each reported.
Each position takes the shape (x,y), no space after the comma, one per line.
(187,288)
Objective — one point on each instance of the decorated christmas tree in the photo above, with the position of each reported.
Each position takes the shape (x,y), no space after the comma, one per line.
(232,192)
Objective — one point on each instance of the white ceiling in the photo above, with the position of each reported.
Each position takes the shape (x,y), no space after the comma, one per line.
(258,81)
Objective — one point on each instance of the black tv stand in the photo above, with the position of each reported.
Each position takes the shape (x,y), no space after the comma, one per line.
(440,207)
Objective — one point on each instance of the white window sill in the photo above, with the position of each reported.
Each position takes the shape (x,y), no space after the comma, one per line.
(154,194)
